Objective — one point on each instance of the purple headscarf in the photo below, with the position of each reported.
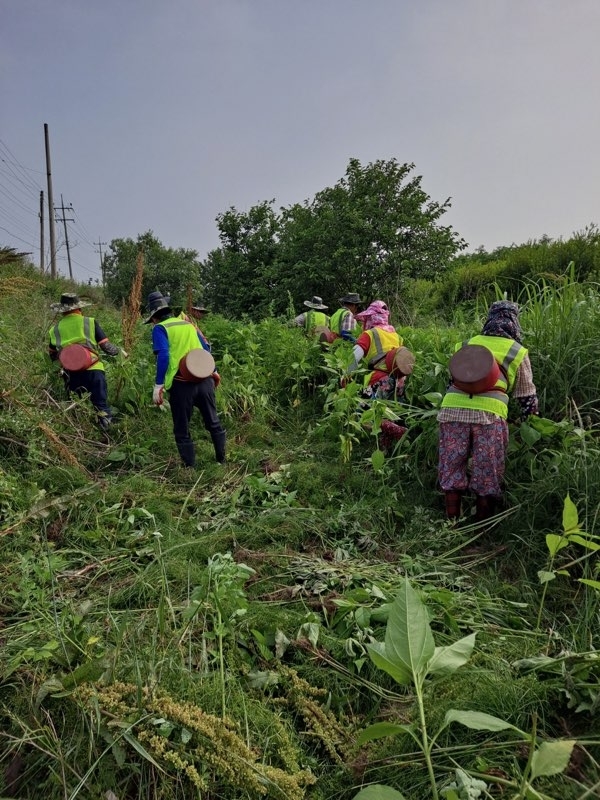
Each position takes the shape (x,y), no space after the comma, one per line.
(503,320)
(375,316)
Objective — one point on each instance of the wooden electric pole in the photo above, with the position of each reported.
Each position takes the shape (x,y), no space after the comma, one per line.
(50,205)
(64,220)
(99,250)
(42,232)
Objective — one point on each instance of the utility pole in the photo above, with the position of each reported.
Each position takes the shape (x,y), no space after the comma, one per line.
(50,205)
(65,220)
(42,232)
(99,250)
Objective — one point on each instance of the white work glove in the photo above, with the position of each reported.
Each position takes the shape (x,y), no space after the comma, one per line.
(157,394)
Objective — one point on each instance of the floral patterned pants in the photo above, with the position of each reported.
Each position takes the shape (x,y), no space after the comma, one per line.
(485,445)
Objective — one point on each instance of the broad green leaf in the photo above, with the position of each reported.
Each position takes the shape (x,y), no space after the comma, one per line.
(529,435)
(447,660)
(589,582)
(546,577)
(116,455)
(534,662)
(543,425)
(281,643)
(382,729)
(408,638)
(379,657)
(556,542)
(379,792)
(478,721)
(584,542)
(262,680)
(185,735)
(310,631)
(570,517)
(551,758)
(378,460)
(435,398)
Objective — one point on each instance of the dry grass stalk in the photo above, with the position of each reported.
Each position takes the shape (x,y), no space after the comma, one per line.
(61,447)
(131,310)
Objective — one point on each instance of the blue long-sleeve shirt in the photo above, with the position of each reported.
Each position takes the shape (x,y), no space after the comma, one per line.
(160,345)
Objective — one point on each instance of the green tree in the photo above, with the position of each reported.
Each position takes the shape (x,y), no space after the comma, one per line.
(372,231)
(166,269)
(237,275)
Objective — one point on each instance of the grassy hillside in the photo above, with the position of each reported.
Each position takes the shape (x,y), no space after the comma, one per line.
(169,633)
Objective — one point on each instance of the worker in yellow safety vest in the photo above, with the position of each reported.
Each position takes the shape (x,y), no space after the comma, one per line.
(343,322)
(172,340)
(314,319)
(76,342)
(473,427)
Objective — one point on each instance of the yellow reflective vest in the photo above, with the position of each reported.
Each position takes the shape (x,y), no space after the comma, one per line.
(74,328)
(381,342)
(313,318)
(183,337)
(509,354)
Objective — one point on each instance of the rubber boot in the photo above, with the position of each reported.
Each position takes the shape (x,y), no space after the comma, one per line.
(453,502)
(485,505)
(218,440)
(188,454)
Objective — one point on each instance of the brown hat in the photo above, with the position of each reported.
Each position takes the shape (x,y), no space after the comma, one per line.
(69,302)
(316,303)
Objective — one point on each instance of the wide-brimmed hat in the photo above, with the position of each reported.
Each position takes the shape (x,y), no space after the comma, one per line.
(316,303)
(352,299)
(200,307)
(69,302)
(156,302)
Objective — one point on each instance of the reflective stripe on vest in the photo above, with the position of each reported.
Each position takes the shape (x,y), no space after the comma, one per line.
(314,318)
(183,337)
(508,354)
(76,329)
(381,343)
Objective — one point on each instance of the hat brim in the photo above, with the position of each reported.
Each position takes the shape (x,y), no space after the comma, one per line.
(155,311)
(315,306)
(62,308)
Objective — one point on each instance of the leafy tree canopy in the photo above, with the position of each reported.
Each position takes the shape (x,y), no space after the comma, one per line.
(166,269)
(372,231)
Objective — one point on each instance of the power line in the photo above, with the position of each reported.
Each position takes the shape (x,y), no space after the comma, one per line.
(12,177)
(16,200)
(21,167)
(2,228)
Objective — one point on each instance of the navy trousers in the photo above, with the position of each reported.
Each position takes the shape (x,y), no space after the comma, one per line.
(183,398)
(92,381)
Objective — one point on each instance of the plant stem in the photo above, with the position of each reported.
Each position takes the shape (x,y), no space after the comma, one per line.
(424,737)
(525,779)
(221,663)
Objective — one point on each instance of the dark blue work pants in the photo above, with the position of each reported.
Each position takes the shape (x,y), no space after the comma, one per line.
(92,381)
(183,398)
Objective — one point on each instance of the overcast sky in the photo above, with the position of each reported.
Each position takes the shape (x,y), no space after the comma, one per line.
(164,113)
